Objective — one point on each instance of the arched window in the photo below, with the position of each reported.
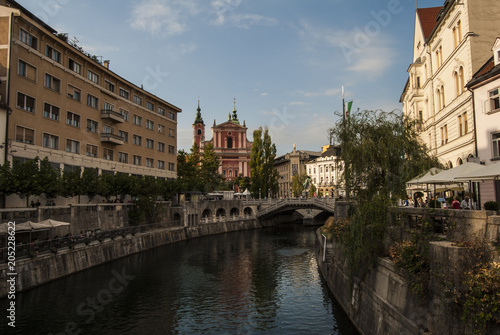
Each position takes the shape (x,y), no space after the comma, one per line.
(229,142)
(457,83)
(199,131)
(461,79)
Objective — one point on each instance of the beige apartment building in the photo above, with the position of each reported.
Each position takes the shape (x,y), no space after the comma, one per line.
(451,43)
(58,101)
(290,165)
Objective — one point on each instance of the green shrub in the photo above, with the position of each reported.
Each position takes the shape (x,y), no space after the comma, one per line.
(491,206)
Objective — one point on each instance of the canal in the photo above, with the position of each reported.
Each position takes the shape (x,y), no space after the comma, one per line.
(262,281)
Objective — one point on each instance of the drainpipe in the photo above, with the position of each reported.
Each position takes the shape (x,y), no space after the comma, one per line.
(476,151)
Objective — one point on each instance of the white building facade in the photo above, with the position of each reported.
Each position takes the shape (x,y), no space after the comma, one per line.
(450,45)
(325,173)
(485,86)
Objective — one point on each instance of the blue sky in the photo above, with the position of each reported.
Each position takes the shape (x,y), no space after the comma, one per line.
(284,61)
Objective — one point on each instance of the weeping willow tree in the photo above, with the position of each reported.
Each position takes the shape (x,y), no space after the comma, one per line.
(380,153)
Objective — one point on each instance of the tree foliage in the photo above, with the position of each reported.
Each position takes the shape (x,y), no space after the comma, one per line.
(298,184)
(197,172)
(381,152)
(263,174)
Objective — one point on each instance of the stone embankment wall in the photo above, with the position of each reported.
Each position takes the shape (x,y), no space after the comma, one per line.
(382,303)
(48,267)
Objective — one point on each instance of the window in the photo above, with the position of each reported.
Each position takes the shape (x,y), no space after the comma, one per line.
(440,97)
(28,39)
(50,141)
(444,134)
(74,66)
(171,149)
(124,94)
(122,157)
(150,162)
(93,77)
(52,83)
(137,120)
(171,132)
(462,124)
(51,112)
(137,100)
(109,86)
(91,150)
(137,140)
(161,129)
(161,147)
(73,120)
(229,142)
(161,165)
(25,102)
(457,34)
(150,106)
(92,101)
(418,82)
(26,70)
(74,93)
(107,129)
(439,56)
(161,111)
(494,98)
(150,144)
(171,116)
(73,146)
(92,126)
(137,160)
(150,124)
(171,167)
(107,154)
(108,107)
(495,138)
(52,53)
(123,135)
(25,135)
(125,114)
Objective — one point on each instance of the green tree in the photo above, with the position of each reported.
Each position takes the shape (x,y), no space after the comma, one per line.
(298,184)
(243,182)
(7,182)
(381,152)
(263,174)
(48,179)
(24,175)
(187,170)
(90,182)
(209,176)
(71,184)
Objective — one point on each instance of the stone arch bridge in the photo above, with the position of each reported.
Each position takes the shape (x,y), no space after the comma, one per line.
(268,211)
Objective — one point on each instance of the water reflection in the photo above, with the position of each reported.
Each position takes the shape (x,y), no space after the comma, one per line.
(254,282)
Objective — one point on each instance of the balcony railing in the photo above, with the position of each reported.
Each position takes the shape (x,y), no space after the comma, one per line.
(112,115)
(111,138)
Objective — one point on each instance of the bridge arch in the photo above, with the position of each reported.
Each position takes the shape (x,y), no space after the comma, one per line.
(207,213)
(248,211)
(234,211)
(221,212)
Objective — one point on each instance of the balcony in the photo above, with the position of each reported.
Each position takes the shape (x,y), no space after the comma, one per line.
(111,138)
(112,115)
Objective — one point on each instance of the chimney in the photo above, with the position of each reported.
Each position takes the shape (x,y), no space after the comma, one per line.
(106,63)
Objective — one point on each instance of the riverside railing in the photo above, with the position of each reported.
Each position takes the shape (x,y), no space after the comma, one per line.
(69,241)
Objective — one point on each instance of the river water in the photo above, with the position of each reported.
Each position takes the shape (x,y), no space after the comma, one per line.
(263,281)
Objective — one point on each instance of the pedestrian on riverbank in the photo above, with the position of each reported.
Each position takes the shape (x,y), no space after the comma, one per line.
(455,203)
(465,203)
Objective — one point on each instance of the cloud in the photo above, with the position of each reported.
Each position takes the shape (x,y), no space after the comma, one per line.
(163,17)
(358,51)
(264,94)
(224,11)
(297,103)
(327,93)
